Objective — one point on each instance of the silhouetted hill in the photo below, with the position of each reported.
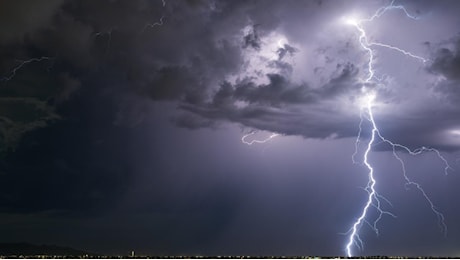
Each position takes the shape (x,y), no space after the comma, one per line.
(10,249)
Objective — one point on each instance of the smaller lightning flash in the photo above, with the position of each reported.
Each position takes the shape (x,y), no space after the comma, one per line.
(160,21)
(243,139)
(151,25)
(22,64)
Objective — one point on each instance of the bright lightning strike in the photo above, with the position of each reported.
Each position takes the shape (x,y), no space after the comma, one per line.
(364,41)
(243,139)
(366,104)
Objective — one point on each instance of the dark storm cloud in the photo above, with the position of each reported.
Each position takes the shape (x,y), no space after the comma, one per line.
(447,61)
(272,106)
(193,121)
(276,93)
(446,64)
(22,18)
(188,57)
(280,91)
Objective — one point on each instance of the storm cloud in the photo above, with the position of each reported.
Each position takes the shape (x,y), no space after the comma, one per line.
(243,62)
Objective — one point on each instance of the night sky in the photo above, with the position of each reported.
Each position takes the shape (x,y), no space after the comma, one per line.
(121,125)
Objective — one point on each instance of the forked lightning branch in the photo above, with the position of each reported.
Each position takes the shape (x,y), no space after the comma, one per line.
(374,200)
(368,101)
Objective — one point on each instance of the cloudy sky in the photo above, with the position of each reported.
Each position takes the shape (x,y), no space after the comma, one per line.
(121,125)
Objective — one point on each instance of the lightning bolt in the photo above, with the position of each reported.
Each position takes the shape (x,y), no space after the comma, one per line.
(243,139)
(22,64)
(373,198)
